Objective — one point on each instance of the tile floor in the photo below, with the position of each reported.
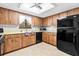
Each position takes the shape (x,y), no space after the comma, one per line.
(41,49)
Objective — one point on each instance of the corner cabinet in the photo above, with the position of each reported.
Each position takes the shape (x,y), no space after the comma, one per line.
(36,21)
(48,21)
(8,17)
(49,37)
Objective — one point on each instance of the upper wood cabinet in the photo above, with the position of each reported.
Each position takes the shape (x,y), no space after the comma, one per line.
(3,16)
(63,14)
(73,11)
(36,21)
(8,17)
(55,17)
(13,17)
(44,21)
(48,21)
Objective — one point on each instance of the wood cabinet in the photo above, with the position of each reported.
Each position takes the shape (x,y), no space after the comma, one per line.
(73,11)
(63,15)
(36,21)
(8,43)
(49,37)
(44,36)
(32,39)
(17,41)
(8,17)
(13,17)
(28,40)
(2,48)
(44,22)
(12,42)
(55,17)
(3,16)
(25,41)
(48,21)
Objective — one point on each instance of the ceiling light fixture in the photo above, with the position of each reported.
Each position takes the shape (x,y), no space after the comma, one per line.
(37,8)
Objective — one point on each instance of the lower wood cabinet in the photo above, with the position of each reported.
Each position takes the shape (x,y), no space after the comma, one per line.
(28,40)
(32,38)
(17,41)
(2,48)
(8,44)
(49,37)
(25,41)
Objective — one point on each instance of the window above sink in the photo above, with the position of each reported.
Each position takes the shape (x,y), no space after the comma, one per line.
(25,21)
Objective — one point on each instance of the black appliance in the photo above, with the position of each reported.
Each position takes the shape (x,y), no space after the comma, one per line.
(65,23)
(38,37)
(43,28)
(68,35)
(1,41)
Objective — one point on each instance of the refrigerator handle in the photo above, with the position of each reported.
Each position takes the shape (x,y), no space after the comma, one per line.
(74,38)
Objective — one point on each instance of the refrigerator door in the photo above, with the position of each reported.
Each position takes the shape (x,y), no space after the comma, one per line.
(77,41)
(65,42)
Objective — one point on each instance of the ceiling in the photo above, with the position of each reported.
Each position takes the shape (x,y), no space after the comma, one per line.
(59,7)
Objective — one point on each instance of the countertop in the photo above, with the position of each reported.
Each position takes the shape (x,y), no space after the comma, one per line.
(16,31)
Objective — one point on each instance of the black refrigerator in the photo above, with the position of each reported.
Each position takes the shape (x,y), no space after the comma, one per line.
(68,35)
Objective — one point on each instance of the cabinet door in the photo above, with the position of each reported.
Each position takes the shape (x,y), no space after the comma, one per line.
(63,15)
(13,17)
(50,21)
(36,21)
(50,38)
(55,17)
(2,48)
(8,44)
(73,11)
(44,36)
(17,38)
(45,21)
(3,16)
(17,43)
(25,41)
(53,40)
(76,11)
(32,39)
